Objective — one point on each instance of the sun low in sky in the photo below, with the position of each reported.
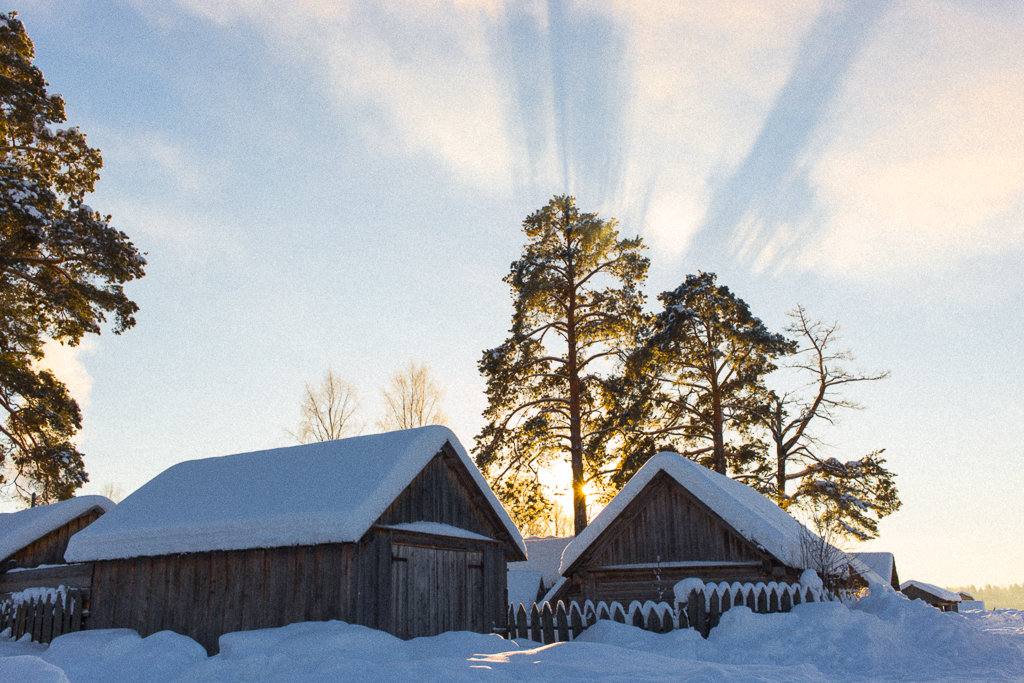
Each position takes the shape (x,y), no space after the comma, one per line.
(341,185)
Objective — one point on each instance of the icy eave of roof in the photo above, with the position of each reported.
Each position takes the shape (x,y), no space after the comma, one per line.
(326,492)
(756,518)
(940,593)
(19,529)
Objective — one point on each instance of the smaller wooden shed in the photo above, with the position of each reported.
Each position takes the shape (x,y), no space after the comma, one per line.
(36,538)
(397,531)
(676,520)
(945,600)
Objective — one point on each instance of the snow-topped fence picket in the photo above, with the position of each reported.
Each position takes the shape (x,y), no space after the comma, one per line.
(698,605)
(43,613)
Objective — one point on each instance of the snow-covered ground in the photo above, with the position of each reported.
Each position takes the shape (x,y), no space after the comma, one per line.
(883,637)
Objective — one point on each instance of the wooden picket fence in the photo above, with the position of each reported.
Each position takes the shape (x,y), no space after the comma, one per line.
(547,623)
(44,614)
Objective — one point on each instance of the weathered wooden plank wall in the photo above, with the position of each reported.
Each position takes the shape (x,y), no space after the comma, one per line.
(406,583)
(206,594)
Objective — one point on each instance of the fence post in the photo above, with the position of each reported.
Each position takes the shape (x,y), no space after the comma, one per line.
(547,627)
(589,614)
(680,616)
(714,613)
(617,613)
(535,624)
(522,624)
(78,613)
(21,621)
(562,622)
(37,621)
(695,611)
(575,620)
(786,603)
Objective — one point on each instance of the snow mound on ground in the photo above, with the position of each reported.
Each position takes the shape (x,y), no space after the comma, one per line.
(122,655)
(30,668)
(883,637)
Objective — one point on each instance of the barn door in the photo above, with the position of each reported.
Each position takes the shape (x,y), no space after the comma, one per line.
(435,590)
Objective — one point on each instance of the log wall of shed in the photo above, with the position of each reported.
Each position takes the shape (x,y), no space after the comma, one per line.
(666,523)
(50,548)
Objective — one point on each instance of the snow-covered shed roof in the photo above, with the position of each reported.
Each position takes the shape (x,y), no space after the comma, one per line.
(523,586)
(543,556)
(880,563)
(19,529)
(326,492)
(752,515)
(940,593)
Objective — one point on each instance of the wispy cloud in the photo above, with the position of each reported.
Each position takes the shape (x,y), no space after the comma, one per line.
(412,78)
(812,134)
(925,165)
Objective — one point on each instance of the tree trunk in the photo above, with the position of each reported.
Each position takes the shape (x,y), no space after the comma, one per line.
(579,497)
(719,461)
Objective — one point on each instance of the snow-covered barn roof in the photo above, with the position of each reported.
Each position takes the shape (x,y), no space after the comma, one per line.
(543,556)
(940,593)
(752,515)
(19,529)
(881,564)
(327,492)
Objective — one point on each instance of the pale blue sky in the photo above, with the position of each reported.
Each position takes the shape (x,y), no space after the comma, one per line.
(321,186)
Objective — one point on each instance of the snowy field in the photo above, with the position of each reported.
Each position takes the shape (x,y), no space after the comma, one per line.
(883,637)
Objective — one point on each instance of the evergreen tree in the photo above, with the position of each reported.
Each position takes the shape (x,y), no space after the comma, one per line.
(694,383)
(576,304)
(849,497)
(62,271)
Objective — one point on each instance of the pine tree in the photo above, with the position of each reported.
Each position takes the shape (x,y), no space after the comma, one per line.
(695,381)
(62,271)
(576,304)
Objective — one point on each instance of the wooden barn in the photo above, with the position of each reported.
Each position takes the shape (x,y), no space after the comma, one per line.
(676,520)
(35,539)
(943,599)
(397,531)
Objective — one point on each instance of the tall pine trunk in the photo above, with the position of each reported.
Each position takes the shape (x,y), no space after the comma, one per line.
(579,496)
(717,428)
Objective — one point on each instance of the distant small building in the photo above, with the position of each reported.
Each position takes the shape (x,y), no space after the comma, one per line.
(945,600)
(676,520)
(36,538)
(967,602)
(397,531)
(876,566)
